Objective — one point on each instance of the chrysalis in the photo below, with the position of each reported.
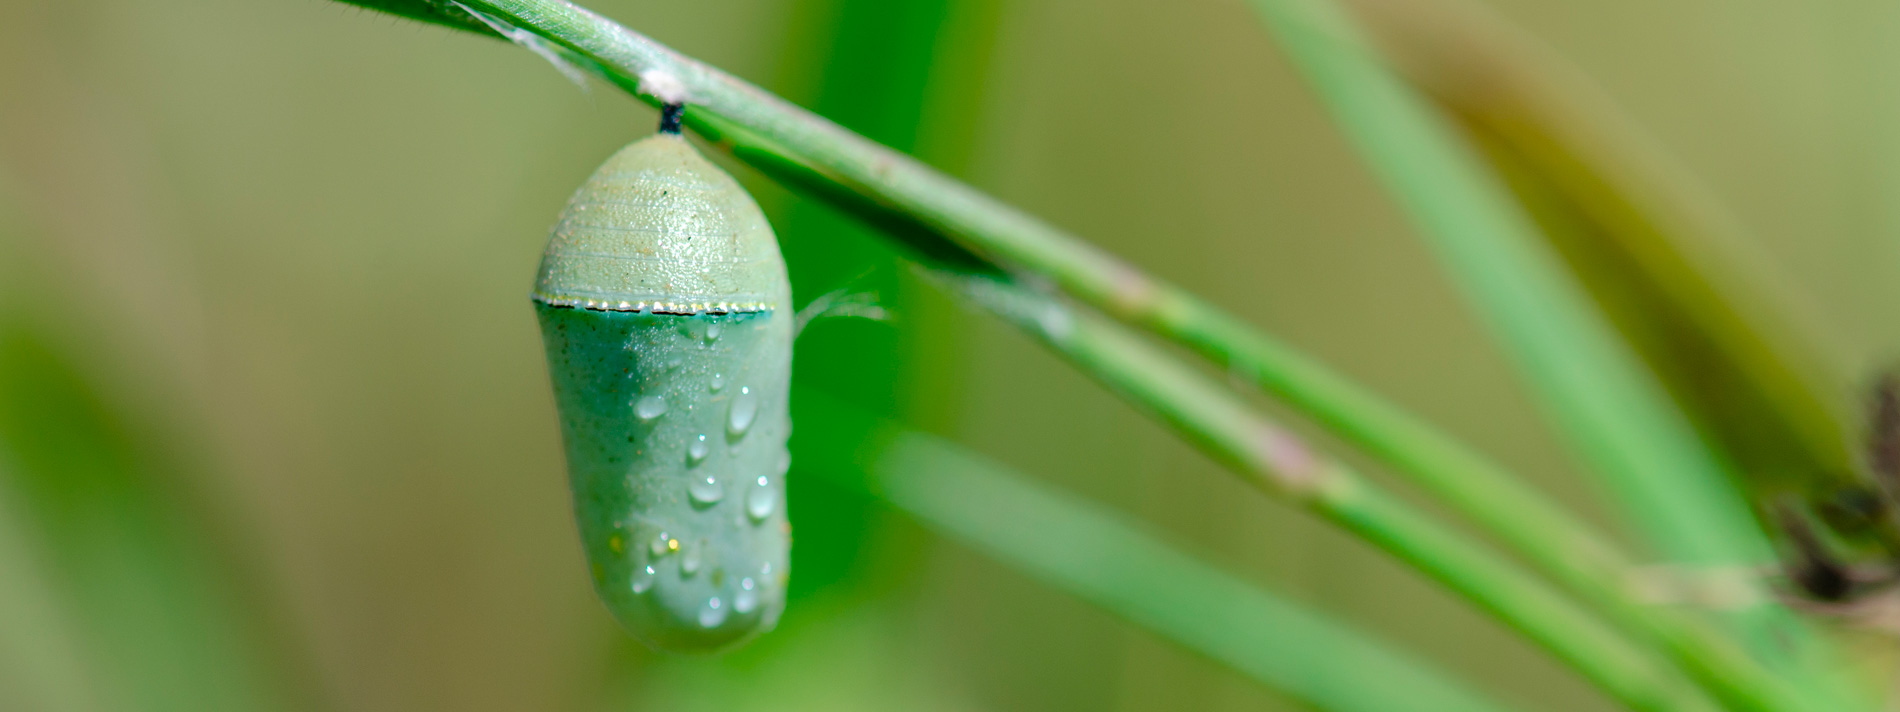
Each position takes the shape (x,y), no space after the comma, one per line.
(666,314)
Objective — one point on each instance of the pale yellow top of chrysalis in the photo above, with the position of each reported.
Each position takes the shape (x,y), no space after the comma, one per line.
(658,227)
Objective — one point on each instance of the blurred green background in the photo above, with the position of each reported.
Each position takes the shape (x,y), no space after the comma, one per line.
(275,430)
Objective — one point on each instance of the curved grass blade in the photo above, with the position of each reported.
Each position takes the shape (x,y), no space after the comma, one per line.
(1278,463)
(884,72)
(1104,558)
(40,663)
(162,625)
(1660,255)
(1590,384)
(1612,411)
(136,602)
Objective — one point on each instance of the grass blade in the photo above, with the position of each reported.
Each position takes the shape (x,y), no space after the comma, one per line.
(162,624)
(130,597)
(880,72)
(1275,461)
(41,667)
(1612,411)
(1106,559)
(1660,255)
(1591,385)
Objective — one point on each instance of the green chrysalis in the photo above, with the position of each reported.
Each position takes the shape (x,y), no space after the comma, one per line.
(666,314)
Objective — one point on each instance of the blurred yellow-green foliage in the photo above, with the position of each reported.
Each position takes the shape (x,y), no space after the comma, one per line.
(270,377)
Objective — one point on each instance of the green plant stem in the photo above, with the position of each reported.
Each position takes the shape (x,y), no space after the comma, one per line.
(160,616)
(1588,567)
(924,208)
(1277,462)
(1560,545)
(1595,390)
(1613,412)
(1105,558)
(1664,257)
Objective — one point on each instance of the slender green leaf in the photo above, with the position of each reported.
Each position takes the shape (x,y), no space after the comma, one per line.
(1592,386)
(1660,255)
(162,621)
(1613,412)
(127,598)
(1279,463)
(878,70)
(41,668)
(1103,557)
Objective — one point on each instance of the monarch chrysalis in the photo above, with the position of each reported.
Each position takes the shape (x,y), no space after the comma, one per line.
(666,314)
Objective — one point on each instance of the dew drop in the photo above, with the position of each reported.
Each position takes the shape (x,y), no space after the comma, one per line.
(696,452)
(713,614)
(745,584)
(712,333)
(784,462)
(705,490)
(689,561)
(745,601)
(759,503)
(745,408)
(649,407)
(643,580)
(675,363)
(718,382)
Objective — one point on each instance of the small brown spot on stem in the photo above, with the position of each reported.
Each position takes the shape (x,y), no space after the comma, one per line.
(1287,459)
(1131,291)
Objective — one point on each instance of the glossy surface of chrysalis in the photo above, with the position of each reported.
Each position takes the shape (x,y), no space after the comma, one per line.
(667,318)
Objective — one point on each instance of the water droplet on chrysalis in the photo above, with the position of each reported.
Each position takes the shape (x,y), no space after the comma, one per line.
(718,382)
(760,501)
(649,407)
(746,600)
(643,579)
(745,408)
(712,615)
(705,491)
(696,452)
(690,560)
